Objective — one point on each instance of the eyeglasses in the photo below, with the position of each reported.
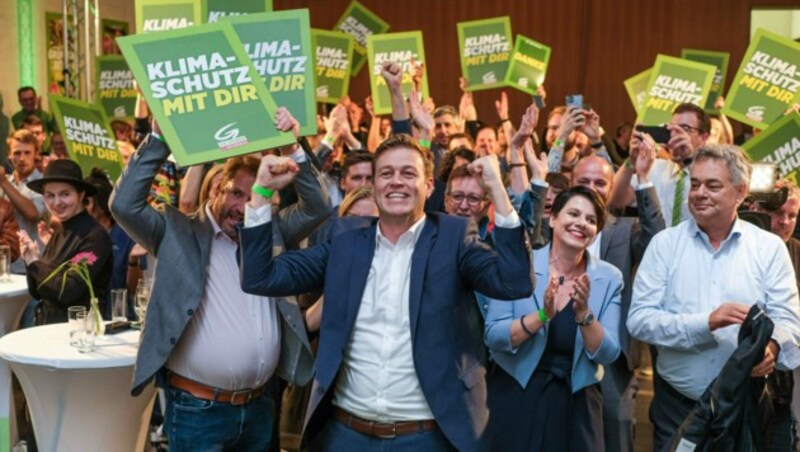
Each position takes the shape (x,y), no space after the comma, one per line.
(688,129)
(458,198)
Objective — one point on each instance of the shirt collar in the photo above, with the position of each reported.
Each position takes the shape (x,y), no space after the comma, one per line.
(411,234)
(695,231)
(218,232)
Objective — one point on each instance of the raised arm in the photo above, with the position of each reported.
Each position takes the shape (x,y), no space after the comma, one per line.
(129,204)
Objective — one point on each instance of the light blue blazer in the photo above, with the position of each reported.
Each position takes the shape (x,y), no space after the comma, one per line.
(587,368)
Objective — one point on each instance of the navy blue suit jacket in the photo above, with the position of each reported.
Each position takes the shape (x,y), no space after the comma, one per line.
(449,262)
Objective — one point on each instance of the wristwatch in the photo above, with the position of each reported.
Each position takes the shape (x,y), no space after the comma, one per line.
(588,319)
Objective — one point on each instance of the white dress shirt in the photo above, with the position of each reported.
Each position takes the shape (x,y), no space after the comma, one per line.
(664,177)
(378,380)
(681,280)
(233,340)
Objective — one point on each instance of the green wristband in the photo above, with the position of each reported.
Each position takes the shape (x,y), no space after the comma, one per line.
(543,316)
(263,191)
(557,143)
(628,164)
(424,143)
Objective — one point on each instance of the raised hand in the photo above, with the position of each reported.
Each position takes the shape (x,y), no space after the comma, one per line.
(276,172)
(550,308)
(422,118)
(393,74)
(501,105)
(580,295)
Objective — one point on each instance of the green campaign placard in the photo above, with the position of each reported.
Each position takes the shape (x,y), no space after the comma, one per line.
(636,87)
(485,49)
(333,57)
(160,15)
(528,65)
(401,48)
(779,144)
(113,89)
(360,23)
(674,81)
(205,93)
(89,139)
(214,10)
(767,80)
(717,59)
(279,45)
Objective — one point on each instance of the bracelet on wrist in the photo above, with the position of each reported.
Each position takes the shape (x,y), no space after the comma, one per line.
(628,164)
(543,316)
(263,191)
(597,145)
(524,328)
(557,143)
(504,120)
(424,143)
(517,165)
(133,263)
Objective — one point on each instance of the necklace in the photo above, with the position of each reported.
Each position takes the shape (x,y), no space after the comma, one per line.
(563,276)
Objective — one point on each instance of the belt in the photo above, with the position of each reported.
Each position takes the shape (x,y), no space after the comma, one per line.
(379,429)
(675,393)
(205,392)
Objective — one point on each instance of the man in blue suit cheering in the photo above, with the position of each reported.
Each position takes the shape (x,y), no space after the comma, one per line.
(396,363)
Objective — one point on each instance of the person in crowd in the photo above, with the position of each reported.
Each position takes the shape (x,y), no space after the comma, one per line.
(28,204)
(126,270)
(621,143)
(468,196)
(550,348)
(689,130)
(9,230)
(460,140)
(578,135)
(200,184)
(35,125)
(445,125)
(64,192)
(31,105)
(783,221)
(697,282)
(123,130)
(454,159)
(215,397)
(388,285)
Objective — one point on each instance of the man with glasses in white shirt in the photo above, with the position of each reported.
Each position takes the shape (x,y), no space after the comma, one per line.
(689,129)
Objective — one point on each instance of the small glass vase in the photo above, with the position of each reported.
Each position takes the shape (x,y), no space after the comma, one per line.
(95,318)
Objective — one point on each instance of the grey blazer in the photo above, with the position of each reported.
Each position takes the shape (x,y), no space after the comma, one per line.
(182,245)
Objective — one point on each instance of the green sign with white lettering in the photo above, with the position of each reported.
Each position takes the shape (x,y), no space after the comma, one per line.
(720,61)
(767,81)
(636,87)
(279,45)
(89,139)
(207,96)
(779,144)
(404,49)
(485,48)
(214,10)
(113,88)
(528,65)
(160,15)
(360,23)
(333,57)
(674,81)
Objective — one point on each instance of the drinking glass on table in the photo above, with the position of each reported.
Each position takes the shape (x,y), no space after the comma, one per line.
(86,332)
(141,299)
(119,305)
(73,325)
(5,263)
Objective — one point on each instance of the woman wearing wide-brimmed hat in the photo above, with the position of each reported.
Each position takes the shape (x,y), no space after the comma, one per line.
(75,231)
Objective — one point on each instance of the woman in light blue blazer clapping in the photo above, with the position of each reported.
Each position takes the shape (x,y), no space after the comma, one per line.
(549,349)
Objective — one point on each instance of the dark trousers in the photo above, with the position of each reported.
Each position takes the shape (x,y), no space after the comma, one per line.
(667,411)
(619,386)
(337,437)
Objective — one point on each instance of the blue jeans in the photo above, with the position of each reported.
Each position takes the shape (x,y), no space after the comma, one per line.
(196,425)
(337,437)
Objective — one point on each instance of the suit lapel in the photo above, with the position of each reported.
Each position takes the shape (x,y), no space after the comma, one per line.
(361,256)
(419,263)
(605,239)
